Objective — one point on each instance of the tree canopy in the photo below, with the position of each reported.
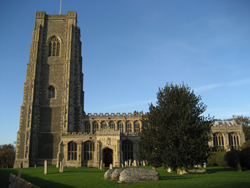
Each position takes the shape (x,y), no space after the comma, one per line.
(174,133)
(7,156)
(246,125)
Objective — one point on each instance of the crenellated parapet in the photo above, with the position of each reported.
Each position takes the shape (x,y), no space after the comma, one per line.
(114,115)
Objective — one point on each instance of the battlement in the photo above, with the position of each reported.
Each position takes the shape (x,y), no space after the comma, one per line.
(114,115)
(225,124)
(43,15)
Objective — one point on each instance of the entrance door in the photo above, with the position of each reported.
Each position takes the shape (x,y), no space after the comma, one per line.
(107,156)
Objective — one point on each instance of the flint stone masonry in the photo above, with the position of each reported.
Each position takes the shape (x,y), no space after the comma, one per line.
(116,174)
(108,174)
(131,175)
(16,182)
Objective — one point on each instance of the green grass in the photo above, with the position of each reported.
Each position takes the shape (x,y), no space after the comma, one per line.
(92,177)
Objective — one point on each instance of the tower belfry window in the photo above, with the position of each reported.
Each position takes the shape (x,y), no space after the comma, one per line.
(51,92)
(54,46)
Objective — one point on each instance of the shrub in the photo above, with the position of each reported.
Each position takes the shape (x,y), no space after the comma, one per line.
(245,157)
(221,159)
(212,159)
(231,158)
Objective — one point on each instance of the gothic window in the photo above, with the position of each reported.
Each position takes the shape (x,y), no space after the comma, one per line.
(112,125)
(87,127)
(218,139)
(127,149)
(233,140)
(137,126)
(95,127)
(51,92)
(103,125)
(72,151)
(89,149)
(54,46)
(120,126)
(128,127)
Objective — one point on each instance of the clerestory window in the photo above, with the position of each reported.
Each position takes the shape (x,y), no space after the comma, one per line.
(87,127)
(128,127)
(54,46)
(137,126)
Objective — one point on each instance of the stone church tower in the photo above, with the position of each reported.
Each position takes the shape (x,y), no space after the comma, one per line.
(53,90)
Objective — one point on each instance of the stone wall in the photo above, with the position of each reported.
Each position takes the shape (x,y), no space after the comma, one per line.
(16,182)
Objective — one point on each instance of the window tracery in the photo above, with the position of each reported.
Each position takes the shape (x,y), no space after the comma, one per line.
(127,149)
(95,127)
(87,127)
(120,126)
(72,151)
(128,127)
(89,149)
(54,46)
(218,139)
(233,140)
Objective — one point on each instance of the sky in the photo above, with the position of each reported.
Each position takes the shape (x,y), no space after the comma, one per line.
(131,48)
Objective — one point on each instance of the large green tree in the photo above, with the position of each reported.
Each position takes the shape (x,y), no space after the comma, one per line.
(174,133)
(7,156)
(246,125)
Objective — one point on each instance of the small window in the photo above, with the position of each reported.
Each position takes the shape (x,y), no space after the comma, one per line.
(54,46)
(51,92)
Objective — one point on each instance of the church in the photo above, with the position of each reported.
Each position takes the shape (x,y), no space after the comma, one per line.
(53,123)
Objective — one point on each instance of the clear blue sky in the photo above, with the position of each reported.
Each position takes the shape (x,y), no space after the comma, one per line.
(130,48)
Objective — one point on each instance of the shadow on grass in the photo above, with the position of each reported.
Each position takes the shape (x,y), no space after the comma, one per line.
(214,170)
(44,183)
(180,177)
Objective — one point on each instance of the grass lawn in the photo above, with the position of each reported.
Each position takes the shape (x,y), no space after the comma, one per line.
(92,177)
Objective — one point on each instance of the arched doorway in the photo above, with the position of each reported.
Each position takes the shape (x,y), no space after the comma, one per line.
(107,156)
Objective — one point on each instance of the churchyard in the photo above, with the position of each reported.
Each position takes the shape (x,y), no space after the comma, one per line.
(92,177)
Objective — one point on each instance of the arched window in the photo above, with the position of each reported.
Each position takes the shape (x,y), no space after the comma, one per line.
(112,125)
(72,151)
(103,125)
(128,127)
(87,127)
(233,140)
(218,139)
(51,92)
(127,149)
(54,46)
(89,149)
(137,127)
(120,126)
(95,127)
